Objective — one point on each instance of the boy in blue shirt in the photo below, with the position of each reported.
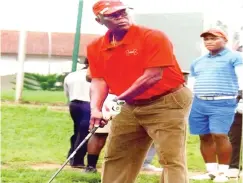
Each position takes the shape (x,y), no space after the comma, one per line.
(213,109)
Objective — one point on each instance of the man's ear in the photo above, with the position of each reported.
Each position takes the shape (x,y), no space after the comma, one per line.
(97,19)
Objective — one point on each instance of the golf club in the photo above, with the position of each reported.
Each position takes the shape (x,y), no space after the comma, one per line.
(241,149)
(115,108)
(240,178)
(74,152)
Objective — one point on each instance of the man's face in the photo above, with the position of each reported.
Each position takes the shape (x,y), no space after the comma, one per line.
(213,43)
(116,21)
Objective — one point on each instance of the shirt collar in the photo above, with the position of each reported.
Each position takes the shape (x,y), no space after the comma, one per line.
(221,53)
(128,38)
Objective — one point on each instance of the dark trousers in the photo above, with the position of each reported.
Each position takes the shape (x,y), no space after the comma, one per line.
(80,113)
(235,139)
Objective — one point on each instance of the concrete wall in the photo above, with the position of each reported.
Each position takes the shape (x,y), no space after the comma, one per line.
(182,28)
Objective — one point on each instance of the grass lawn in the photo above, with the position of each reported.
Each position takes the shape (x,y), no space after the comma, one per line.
(39,135)
(43,97)
(66,176)
(31,135)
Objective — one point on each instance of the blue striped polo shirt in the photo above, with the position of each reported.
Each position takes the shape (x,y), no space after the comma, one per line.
(215,74)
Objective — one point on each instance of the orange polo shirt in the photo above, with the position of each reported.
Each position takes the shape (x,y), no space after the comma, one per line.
(122,65)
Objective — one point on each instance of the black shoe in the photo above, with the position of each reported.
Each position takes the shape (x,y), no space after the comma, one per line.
(79,164)
(82,166)
(90,169)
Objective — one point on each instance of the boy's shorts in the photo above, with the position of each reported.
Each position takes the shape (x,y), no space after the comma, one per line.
(211,116)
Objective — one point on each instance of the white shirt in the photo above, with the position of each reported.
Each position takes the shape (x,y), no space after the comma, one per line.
(76,87)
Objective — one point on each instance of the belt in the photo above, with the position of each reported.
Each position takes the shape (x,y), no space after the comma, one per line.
(78,101)
(154,98)
(215,97)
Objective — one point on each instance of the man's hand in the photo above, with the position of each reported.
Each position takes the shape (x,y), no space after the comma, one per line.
(97,120)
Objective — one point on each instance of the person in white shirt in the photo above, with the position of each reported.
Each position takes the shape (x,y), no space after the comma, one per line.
(98,140)
(76,89)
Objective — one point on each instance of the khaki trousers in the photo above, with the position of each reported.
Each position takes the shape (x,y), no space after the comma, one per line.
(163,121)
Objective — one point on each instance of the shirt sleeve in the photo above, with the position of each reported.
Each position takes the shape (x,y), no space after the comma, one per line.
(192,71)
(238,60)
(158,51)
(95,66)
(65,88)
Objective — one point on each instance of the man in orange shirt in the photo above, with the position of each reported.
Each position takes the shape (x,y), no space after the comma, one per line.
(137,64)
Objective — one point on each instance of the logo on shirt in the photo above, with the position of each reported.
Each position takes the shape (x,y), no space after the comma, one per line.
(131,52)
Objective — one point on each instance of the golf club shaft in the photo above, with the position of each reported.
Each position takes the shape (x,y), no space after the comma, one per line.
(74,152)
(240,178)
(80,145)
(241,148)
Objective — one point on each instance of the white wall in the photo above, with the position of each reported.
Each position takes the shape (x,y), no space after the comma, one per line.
(34,64)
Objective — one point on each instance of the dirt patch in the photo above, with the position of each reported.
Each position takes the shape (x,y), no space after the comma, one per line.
(51,166)
(48,166)
(59,104)
(59,108)
(36,105)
